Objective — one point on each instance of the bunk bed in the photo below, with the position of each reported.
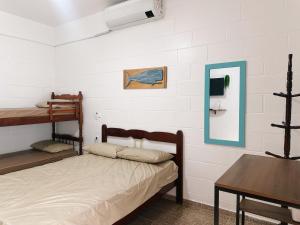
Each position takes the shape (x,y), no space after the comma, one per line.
(60,108)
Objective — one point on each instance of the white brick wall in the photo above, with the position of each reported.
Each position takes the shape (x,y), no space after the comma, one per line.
(192,34)
(27,77)
(14,26)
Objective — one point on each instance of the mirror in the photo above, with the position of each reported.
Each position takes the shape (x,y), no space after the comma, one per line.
(225,85)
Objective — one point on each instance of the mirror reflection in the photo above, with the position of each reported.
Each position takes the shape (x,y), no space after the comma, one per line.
(225,103)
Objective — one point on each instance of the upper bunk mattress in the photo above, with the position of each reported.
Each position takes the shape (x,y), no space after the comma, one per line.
(83,190)
(23,112)
(29,112)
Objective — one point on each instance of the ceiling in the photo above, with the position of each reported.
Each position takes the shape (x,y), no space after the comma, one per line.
(54,12)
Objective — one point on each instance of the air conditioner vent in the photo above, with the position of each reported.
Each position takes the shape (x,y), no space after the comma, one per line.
(149,14)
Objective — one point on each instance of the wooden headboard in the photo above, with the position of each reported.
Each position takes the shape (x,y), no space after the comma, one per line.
(151,136)
(166,137)
(78,97)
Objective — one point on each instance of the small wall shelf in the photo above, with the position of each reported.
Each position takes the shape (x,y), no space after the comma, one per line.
(215,111)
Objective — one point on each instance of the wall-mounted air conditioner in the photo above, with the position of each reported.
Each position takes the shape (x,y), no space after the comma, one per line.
(133,12)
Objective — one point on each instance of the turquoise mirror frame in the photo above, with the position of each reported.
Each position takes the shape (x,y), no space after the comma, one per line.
(207,139)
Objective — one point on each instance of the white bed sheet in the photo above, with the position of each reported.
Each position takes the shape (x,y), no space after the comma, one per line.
(84,190)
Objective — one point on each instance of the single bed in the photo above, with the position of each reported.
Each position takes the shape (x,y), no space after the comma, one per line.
(89,189)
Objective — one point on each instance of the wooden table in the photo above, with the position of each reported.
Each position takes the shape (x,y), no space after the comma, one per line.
(263,178)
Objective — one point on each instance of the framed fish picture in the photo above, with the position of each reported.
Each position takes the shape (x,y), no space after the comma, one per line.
(146,78)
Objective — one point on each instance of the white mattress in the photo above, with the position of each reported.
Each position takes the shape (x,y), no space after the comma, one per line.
(84,190)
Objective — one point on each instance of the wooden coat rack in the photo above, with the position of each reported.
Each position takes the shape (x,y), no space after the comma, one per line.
(286,125)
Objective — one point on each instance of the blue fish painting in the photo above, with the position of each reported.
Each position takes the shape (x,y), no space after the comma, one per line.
(150,77)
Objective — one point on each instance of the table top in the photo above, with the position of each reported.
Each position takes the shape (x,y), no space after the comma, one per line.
(271,178)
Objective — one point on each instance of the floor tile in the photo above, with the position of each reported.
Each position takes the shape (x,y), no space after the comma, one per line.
(167,212)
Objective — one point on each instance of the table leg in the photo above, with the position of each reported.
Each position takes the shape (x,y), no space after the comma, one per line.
(238,201)
(216,208)
(243,213)
(282,223)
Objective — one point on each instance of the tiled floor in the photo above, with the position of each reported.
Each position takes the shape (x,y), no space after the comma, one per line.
(167,212)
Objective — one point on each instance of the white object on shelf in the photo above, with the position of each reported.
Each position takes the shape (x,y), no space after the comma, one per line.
(216,107)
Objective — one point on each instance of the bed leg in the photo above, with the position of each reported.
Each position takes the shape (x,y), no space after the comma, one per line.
(80,148)
(179,192)
(53,131)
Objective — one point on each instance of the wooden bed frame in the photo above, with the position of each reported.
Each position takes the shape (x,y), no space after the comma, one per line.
(159,137)
(77,113)
(54,115)
(74,113)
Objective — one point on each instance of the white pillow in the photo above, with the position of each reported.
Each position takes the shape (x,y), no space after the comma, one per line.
(42,105)
(104,149)
(51,146)
(144,155)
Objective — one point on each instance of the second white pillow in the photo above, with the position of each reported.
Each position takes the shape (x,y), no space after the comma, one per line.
(104,149)
(144,155)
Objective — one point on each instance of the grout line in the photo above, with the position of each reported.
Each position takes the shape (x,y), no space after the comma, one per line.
(53,45)
(83,39)
(26,39)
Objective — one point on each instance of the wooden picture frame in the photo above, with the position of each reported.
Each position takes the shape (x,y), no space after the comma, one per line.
(145,78)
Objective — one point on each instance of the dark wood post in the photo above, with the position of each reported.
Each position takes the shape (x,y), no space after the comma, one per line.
(288,110)
(80,121)
(53,123)
(104,133)
(179,160)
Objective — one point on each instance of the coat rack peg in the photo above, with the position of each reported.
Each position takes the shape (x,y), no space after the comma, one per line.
(280,94)
(286,125)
